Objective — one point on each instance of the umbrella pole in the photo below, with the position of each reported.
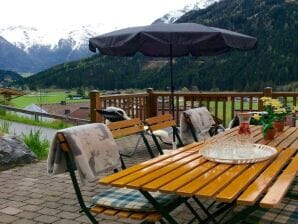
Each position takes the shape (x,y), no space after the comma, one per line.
(172,92)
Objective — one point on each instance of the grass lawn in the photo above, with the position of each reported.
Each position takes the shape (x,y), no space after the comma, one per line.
(46,97)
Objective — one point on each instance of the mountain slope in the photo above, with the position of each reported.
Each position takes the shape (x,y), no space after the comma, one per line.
(274,23)
(275,61)
(8,77)
(40,49)
(12,57)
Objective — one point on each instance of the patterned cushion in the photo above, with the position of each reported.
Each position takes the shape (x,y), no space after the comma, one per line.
(129,199)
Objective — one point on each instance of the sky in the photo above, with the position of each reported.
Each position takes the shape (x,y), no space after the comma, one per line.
(72,13)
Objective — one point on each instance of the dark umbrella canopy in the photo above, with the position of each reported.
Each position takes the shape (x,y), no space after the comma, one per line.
(171,40)
(166,40)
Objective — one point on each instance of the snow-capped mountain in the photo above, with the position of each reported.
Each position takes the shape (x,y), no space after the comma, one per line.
(40,49)
(30,49)
(172,16)
(27,37)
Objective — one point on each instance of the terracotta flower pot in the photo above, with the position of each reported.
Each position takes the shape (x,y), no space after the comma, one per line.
(278,125)
(270,134)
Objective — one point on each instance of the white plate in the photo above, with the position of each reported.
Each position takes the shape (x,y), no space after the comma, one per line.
(238,155)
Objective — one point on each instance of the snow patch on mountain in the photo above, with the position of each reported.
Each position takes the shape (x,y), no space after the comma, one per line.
(173,16)
(27,37)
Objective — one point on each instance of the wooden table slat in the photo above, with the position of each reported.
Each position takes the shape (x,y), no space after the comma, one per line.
(222,181)
(135,168)
(201,181)
(291,138)
(147,170)
(162,171)
(231,192)
(294,145)
(281,185)
(282,137)
(186,178)
(157,183)
(255,190)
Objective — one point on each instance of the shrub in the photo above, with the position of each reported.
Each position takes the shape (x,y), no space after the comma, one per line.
(2,112)
(4,127)
(27,120)
(36,144)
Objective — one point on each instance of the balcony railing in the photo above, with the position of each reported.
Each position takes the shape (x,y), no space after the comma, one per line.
(222,105)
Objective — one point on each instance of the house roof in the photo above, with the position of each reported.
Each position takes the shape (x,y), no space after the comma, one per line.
(81,113)
(11,92)
(60,109)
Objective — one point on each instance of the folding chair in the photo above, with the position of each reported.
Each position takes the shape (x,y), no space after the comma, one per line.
(127,128)
(120,202)
(162,122)
(199,123)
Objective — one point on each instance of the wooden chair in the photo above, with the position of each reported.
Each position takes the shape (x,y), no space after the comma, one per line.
(127,128)
(150,216)
(213,129)
(162,122)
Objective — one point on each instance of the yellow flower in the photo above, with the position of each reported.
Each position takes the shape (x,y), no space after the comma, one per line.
(280,111)
(256,117)
(264,98)
(276,103)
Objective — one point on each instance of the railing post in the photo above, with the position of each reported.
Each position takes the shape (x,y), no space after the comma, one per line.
(267,93)
(95,104)
(151,103)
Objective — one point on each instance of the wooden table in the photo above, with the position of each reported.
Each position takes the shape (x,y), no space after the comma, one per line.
(186,173)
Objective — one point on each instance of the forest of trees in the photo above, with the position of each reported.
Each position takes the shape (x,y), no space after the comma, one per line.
(273,63)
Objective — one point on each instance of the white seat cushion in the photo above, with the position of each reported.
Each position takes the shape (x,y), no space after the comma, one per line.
(159,133)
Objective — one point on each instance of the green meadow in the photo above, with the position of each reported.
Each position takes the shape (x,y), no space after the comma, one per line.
(45,97)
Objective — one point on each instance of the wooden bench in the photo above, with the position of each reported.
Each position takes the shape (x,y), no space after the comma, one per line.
(150,217)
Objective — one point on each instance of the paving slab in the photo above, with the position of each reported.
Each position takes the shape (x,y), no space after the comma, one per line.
(28,195)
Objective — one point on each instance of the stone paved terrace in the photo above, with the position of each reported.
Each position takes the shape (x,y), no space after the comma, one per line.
(28,196)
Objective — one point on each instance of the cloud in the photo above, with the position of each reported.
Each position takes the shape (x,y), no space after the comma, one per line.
(62,13)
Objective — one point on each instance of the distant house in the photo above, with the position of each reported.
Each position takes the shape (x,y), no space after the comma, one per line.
(7,93)
(34,108)
(81,113)
(68,109)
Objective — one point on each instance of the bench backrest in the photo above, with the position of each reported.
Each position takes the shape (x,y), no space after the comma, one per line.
(126,127)
(162,122)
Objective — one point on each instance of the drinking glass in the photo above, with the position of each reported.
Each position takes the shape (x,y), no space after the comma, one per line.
(244,138)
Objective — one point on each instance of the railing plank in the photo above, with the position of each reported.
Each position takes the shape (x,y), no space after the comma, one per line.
(233,106)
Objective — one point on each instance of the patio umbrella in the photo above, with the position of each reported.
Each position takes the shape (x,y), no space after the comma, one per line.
(171,40)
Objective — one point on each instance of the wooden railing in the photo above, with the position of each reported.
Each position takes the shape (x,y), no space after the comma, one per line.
(222,105)
(38,115)
(135,105)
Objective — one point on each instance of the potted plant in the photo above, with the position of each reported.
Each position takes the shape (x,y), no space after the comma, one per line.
(273,116)
(279,118)
(267,117)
